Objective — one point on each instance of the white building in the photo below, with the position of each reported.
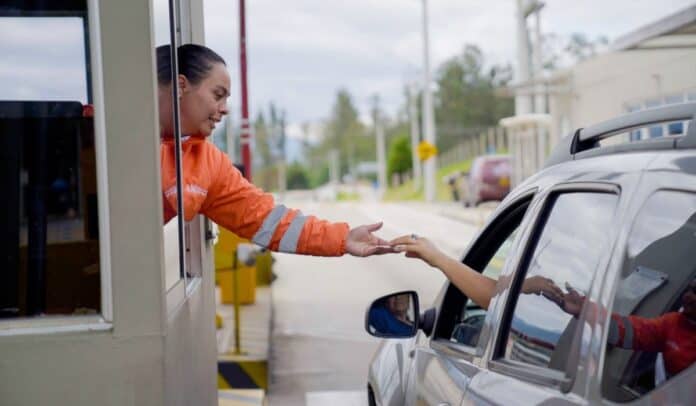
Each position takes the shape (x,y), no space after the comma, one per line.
(651,66)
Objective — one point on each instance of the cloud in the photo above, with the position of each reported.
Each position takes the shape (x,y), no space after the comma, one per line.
(300,52)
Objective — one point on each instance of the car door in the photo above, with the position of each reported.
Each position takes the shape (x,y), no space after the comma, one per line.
(445,363)
(534,352)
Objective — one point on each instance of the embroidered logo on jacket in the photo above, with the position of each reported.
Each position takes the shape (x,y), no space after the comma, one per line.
(191,188)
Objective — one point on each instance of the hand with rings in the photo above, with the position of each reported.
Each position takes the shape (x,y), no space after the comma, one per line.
(418,247)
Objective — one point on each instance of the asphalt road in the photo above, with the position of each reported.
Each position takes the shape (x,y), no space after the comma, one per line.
(319,349)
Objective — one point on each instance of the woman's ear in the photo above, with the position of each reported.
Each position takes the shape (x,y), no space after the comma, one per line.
(184,85)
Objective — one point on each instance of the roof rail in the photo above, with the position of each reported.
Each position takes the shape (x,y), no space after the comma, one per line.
(585,141)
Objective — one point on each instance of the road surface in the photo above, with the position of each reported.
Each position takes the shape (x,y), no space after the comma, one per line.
(319,349)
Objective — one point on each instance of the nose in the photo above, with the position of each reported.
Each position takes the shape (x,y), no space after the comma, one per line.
(224,110)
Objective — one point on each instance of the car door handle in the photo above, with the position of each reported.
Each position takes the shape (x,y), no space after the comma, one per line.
(443,404)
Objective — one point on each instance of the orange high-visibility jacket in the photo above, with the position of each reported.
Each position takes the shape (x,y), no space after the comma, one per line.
(215,188)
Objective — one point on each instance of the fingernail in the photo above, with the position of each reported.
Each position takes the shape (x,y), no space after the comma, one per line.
(398,248)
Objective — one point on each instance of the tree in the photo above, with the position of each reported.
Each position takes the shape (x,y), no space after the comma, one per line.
(297,177)
(345,133)
(465,96)
(581,47)
(399,156)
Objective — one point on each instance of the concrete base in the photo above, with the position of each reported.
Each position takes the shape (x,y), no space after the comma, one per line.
(241,397)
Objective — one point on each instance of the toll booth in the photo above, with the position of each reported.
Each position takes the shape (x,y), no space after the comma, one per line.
(101,302)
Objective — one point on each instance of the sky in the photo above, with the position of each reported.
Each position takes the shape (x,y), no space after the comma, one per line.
(301,52)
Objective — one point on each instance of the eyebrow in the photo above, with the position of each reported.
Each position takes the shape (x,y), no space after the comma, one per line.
(226,92)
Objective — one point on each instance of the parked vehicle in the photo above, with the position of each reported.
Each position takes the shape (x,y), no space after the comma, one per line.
(615,224)
(489,179)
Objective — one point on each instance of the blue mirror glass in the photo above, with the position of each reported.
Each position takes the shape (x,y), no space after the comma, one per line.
(393,316)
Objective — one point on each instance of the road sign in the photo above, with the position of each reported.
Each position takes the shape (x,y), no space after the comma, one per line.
(426,150)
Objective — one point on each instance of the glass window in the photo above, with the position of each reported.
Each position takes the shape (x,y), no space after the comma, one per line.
(564,259)
(655,131)
(675,128)
(48,212)
(461,320)
(472,316)
(635,135)
(651,338)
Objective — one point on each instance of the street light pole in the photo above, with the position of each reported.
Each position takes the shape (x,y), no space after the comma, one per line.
(245,137)
(381,153)
(428,119)
(415,135)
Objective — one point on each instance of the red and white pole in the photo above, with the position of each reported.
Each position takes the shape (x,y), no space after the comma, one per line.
(245,138)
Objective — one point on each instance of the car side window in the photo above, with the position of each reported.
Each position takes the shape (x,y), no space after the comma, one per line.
(461,320)
(652,326)
(561,261)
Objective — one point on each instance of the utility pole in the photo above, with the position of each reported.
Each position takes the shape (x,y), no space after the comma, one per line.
(334,166)
(428,119)
(245,137)
(229,138)
(415,135)
(282,167)
(539,94)
(381,155)
(523,102)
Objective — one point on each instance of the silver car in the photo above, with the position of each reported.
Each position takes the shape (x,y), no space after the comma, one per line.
(614,228)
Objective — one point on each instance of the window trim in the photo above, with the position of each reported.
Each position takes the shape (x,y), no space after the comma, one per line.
(497,361)
(483,238)
(104,320)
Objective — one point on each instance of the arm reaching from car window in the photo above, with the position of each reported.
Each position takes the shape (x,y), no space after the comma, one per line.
(472,284)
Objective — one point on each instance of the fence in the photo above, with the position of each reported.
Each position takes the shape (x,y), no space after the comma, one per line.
(492,140)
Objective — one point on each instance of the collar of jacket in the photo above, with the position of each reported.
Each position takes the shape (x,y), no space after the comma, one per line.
(185,140)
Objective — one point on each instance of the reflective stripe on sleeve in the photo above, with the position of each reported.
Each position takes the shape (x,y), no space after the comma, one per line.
(289,241)
(628,333)
(614,337)
(265,233)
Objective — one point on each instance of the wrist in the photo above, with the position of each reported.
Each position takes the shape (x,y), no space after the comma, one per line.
(443,263)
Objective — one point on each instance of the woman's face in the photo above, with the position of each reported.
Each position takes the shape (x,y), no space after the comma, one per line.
(689,301)
(203,105)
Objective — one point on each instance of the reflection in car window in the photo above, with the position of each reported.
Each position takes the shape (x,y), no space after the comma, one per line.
(563,263)
(652,328)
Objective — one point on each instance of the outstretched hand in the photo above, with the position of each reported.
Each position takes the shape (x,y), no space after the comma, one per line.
(362,243)
(540,285)
(418,247)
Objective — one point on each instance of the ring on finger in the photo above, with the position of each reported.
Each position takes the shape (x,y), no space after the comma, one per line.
(414,237)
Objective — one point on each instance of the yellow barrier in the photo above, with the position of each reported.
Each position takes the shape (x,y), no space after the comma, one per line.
(264,265)
(247,284)
(226,247)
(225,262)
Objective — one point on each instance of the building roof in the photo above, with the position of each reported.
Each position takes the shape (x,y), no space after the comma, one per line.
(677,30)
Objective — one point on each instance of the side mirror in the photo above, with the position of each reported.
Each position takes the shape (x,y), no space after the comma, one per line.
(393,316)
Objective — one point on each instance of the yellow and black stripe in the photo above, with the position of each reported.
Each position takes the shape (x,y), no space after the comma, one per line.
(236,374)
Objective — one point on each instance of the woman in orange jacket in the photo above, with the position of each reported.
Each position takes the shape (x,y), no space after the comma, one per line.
(212,186)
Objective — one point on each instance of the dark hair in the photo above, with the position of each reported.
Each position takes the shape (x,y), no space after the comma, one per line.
(195,61)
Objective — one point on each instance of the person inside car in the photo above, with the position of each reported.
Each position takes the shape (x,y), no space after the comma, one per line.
(211,184)
(673,334)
